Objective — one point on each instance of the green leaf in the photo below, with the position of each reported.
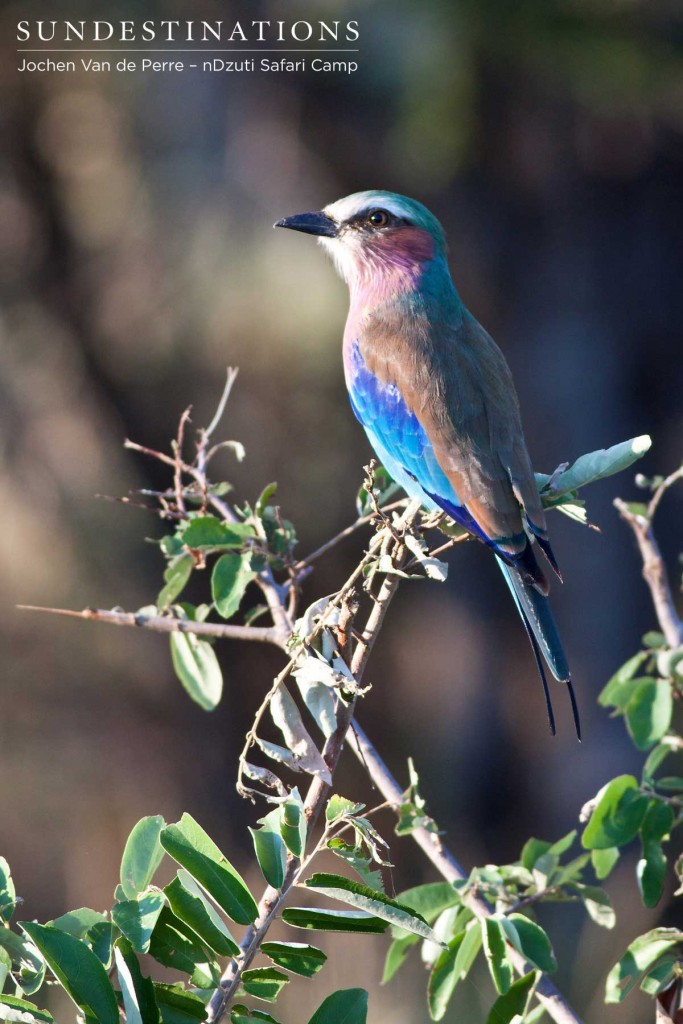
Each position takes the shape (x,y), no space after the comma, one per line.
(240,1014)
(194,850)
(176,575)
(137,991)
(264,497)
(172,543)
(21,1006)
(177,1005)
(452,966)
(231,576)
(189,903)
(620,688)
(194,613)
(658,755)
(175,945)
(497,955)
(78,970)
(293,824)
(136,919)
(208,532)
(339,807)
(513,1003)
(668,662)
(297,957)
(428,901)
(77,922)
(5,967)
(604,861)
(535,1015)
(396,955)
(270,849)
(617,816)
(368,838)
(280,534)
(660,977)
(639,958)
(252,615)
(469,949)
(100,939)
(264,983)
(362,898)
(533,850)
(362,865)
(7,892)
(670,784)
(654,640)
(322,920)
(595,466)
(651,869)
(448,924)
(412,813)
(649,711)
(196,665)
(142,855)
(597,903)
(348,1006)
(443,979)
(651,873)
(534,944)
(26,958)
(572,871)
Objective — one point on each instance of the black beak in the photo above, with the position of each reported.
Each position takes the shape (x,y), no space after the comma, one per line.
(311,224)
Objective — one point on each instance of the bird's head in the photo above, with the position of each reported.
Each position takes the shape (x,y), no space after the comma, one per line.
(375,235)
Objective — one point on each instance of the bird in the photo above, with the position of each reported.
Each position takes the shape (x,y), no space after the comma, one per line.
(436,398)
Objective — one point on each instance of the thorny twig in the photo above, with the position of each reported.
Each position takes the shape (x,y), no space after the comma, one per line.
(165,623)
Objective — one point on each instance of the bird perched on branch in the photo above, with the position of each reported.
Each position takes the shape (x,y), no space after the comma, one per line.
(436,397)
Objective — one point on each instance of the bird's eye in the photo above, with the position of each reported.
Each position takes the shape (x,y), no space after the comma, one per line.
(378,218)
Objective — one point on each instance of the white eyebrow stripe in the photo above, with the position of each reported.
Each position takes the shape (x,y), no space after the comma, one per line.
(351,206)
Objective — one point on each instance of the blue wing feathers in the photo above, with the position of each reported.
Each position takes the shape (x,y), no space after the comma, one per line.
(402,444)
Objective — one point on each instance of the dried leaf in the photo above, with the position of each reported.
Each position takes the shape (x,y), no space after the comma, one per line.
(286,716)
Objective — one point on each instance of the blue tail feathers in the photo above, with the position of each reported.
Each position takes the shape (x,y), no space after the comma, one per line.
(534,609)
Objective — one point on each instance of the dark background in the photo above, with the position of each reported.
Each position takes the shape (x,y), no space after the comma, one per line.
(138,260)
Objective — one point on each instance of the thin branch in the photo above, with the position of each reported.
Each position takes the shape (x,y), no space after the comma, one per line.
(660,491)
(654,567)
(179,465)
(161,456)
(218,415)
(166,624)
(346,532)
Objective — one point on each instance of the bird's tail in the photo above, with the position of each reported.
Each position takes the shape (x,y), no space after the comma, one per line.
(539,622)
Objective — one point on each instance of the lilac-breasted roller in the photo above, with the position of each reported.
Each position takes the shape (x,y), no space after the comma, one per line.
(435,394)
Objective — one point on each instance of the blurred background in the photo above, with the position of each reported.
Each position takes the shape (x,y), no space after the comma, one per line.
(138,261)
